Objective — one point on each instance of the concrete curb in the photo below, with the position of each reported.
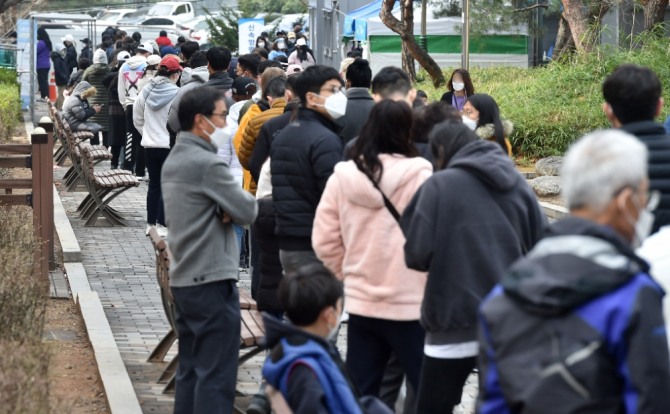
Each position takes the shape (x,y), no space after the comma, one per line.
(118,387)
(68,240)
(119,390)
(553,211)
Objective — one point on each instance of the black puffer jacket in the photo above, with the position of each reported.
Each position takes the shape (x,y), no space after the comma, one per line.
(268,132)
(303,156)
(653,135)
(271,271)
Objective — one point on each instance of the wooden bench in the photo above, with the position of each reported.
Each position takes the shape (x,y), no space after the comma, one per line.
(103,187)
(251,323)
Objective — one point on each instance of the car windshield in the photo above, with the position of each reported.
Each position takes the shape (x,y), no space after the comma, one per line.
(160,10)
(109,16)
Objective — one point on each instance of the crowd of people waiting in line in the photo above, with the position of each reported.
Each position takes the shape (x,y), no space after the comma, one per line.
(411,215)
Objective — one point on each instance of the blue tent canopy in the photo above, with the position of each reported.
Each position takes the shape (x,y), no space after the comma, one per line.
(356,22)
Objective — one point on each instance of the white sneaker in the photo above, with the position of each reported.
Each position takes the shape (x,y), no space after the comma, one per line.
(162,230)
(149,227)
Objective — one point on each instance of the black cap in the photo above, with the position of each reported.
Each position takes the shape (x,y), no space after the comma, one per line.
(240,85)
(86,41)
(264,34)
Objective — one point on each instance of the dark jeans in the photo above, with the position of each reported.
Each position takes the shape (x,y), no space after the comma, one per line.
(136,162)
(43,82)
(155,159)
(254,264)
(208,325)
(370,342)
(442,382)
(116,154)
(391,385)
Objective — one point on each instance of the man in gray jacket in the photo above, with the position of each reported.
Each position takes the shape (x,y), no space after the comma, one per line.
(202,200)
(193,76)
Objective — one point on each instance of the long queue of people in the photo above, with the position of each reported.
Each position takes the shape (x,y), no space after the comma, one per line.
(410,216)
(442,268)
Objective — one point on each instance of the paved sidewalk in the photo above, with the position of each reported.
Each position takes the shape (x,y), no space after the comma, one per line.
(120,265)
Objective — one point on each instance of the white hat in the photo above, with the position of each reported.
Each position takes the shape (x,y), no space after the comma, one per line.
(100,56)
(301,42)
(153,60)
(68,38)
(145,47)
(123,56)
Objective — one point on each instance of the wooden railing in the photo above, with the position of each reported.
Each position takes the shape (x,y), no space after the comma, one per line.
(37,156)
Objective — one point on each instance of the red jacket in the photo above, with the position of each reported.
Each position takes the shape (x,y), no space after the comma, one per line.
(163,41)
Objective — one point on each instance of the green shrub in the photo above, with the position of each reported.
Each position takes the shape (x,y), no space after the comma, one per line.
(7,76)
(24,358)
(552,106)
(10,110)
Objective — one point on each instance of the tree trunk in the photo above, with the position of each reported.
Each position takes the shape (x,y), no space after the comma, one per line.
(6,4)
(564,42)
(576,15)
(654,14)
(407,11)
(410,45)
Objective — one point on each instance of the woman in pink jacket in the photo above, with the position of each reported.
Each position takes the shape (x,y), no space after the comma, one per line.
(357,236)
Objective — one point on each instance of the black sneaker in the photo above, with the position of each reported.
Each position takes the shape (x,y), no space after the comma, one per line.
(259,405)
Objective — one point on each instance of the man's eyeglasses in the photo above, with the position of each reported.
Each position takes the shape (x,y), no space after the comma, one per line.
(223,114)
(333,89)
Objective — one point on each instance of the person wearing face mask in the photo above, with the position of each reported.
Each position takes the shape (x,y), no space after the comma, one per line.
(460,88)
(465,239)
(582,305)
(150,116)
(357,236)
(202,202)
(262,43)
(482,115)
(302,55)
(304,369)
(302,158)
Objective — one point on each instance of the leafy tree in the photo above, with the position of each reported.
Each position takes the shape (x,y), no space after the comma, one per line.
(251,8)
(224,29)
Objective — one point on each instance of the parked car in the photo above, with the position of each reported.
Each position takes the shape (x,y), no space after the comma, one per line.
(286,23)
(111,17)
(135,17)
(178,10)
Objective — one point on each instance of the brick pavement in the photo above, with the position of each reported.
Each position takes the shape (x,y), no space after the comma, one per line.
(120,265)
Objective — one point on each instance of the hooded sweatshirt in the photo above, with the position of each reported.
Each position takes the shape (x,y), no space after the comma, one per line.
(190,79)
(307,370)
(465,226)
(150,112)
(129,77)
(583,308)
(359,240)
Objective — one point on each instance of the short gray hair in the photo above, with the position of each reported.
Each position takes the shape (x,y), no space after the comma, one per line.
(599,165)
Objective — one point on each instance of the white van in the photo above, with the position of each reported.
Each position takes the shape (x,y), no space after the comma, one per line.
(176,10)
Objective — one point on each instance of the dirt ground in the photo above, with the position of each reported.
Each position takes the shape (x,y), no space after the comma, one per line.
(75,386)
(74,383)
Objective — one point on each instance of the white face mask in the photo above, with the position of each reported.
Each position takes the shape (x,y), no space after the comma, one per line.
(644,223)
(332,334)
(458,86)
(218,136)
(469,123)
(261,44)
(336,105)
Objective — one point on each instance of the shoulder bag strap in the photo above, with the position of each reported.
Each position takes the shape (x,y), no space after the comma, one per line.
(389,205)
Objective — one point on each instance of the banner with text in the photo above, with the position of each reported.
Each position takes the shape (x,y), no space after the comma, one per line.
(250,29)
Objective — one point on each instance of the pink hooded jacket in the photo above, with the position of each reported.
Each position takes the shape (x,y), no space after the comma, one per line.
(358,239)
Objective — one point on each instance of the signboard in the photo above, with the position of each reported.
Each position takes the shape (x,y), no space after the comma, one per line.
(23,58)
(249,30)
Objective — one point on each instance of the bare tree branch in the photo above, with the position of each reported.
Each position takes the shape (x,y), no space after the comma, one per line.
(534,6)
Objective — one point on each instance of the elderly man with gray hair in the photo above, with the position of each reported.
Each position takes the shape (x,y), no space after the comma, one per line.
(577,325)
